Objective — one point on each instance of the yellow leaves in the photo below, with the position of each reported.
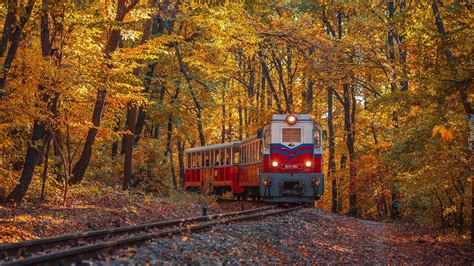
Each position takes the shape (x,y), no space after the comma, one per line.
(446,134)
(184,239)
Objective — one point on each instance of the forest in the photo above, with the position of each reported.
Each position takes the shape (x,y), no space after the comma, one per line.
(109,93)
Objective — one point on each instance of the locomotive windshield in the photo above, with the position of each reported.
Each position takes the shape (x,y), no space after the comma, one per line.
(291,134)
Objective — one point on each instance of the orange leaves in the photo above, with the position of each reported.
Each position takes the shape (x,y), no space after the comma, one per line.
(447,135)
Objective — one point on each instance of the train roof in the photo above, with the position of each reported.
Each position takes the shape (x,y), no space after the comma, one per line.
(214,146)
(254,137)
(301,117)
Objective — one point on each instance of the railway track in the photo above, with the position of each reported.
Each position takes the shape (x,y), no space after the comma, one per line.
(79,246)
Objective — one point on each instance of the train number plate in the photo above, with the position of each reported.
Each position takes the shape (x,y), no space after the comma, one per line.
(292,166)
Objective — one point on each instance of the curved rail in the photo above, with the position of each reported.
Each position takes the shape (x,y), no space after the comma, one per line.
(30,246)
(79,252)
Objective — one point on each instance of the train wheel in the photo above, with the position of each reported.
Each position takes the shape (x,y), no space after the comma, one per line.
(238,196)
(245,195)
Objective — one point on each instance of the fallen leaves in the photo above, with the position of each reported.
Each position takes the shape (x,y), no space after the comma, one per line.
(98,208)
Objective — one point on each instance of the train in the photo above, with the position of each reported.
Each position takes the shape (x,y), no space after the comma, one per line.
(281,163)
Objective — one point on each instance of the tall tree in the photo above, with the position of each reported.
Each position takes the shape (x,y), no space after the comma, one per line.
(81,165)
(39,126)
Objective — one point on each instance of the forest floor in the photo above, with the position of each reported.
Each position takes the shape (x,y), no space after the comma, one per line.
(88,209)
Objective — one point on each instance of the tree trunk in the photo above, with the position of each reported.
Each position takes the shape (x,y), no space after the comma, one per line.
(81,165)
(180,149)
(184,70)
(331,162)
(402,47)
(349,115)
(128,145)
(32,154)
(202,138)
(169,151)
(173,174)
(266,73)
(223,117)
(10,19)
(281,79)
(309,96)
(241,120)
(115,143)
(15,43)
(142,111)
(45,169)
(342,167)
(391,52)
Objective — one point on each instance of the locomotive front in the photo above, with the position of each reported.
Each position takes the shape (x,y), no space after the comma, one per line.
(292,160)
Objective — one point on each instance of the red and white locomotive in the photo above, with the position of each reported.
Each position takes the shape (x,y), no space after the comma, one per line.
(281,163)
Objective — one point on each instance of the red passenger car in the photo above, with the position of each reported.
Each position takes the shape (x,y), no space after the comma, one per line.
(213,168)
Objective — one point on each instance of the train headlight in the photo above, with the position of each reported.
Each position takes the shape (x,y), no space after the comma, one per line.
(291,119)
(267,181)
(316,181)
(308,163)
(275,164)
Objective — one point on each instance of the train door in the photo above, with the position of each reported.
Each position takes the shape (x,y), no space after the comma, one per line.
(235,174)
(207,171)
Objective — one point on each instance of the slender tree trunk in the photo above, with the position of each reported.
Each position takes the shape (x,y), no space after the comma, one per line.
(8,25)
(281,80)
(266,73)
(115,143)
(184,70)
(349,131)
(402,47)
(45,169)
(169,151)
(15,43)
(128,145)
(32,154)
(223,117)
(309,97)
(202,138)
(142,110)
(173,173)
(262,95)
(342,167)
(332,163)
(391,52)
(180,149)
(241,120)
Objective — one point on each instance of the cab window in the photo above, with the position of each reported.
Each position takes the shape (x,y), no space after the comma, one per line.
(266,138)
(317,138)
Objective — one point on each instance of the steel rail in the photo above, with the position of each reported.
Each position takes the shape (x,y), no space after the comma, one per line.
(15,249)
(78,252)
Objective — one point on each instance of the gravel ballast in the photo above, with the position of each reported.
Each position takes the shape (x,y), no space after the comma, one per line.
(307,236)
